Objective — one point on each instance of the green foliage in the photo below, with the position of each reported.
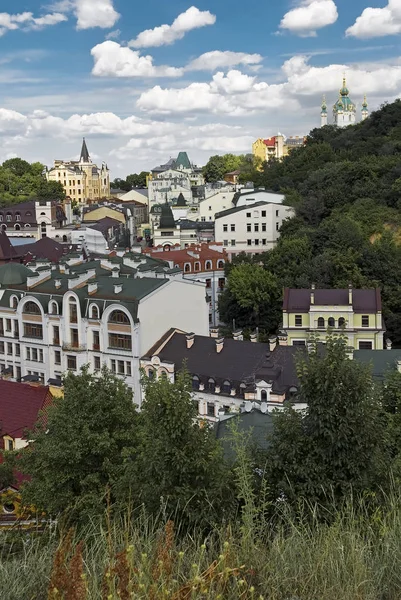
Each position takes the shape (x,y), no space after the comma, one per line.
(218,166)
(20,180)
(135,180)
(8,462)
(338,444)
(178,466)
(79,454)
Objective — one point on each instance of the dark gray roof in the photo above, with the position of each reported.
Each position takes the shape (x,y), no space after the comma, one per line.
(259,425)
(381,360)
(14,273)
(199,225)
(166,217)
(368,300)
(231,211)
(84,152)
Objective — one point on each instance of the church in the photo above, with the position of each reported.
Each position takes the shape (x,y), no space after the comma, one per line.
(344,110)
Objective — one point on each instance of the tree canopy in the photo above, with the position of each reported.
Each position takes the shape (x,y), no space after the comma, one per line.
(21,180)
(135,180)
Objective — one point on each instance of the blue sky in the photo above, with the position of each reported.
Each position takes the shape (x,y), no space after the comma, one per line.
(214,77)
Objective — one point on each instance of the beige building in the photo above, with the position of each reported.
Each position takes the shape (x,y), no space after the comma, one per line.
(82,179)
(353,312)
(275,147)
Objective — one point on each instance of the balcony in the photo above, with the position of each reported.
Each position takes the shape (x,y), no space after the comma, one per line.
(74,347)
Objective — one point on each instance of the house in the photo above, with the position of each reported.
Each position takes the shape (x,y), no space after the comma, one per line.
(355,312)
(35,218)
(276,147)
(82,180)
(247,197)
(252,229)
(200,262)
(95,213)
(226,374)
(108,310)
(178,176)
(232,177)
(216,201)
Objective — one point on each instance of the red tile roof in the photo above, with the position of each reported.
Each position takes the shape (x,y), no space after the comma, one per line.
(20,404)
(270,142)
(202,252)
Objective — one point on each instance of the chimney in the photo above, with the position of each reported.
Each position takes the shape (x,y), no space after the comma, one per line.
(389,344)
(272,343)
(57,283)
(312,294)
(115,272)
(92,287)
(214,332)
(399,365)
(238,336)
(219,345)
(190,337)
(283,338)
(254,337)
(350,294)
(118,288)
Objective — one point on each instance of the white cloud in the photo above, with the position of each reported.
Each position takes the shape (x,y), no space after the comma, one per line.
(89,13)
(377,22)
(218,59)
(26,21)
(113,60)
(309,16)
(234,82)
(163,35)
(113,35)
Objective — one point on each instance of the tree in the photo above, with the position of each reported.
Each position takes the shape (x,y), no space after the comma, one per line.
(338,443)
(178,464)
(17,166)
(79,453)
(50,190)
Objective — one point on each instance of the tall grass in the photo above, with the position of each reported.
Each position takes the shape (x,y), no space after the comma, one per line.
(356,556)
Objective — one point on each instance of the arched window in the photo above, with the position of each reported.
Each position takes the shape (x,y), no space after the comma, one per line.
(73,311)
(9,217)
(197,266)
(151,374)
(195,382)
(117,316)
(94,312)
(211,386)
(187,268)
(341,322)
(263,396)
(42,214)
(31,308)
(43,229)
(242,389)
(208,265)
(320,323)
(64,238)
(163,375)
(53,308)
(220,264)
(4,227)
(17,216)
(27,226)
(28,213)
(331,322)
(17,227)
(14,302)
(1,217)
(226,387)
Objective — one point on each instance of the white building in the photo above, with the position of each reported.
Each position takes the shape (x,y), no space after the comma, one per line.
(107,311)
(177,176)
(251,229)
(248,197)
(344,110)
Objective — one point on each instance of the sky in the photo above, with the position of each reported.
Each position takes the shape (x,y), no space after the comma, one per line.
(145,80)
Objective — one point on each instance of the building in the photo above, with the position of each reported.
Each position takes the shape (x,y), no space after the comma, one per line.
(168,232)
(226,374)
(96,213)
(109,311)
(247,197)
(216,201)
(344,110)
(7,251)
(200,262)
(232,177)
(82,180)
(136,195)
(178,176)
(251,229)
(356,313)
(35,218)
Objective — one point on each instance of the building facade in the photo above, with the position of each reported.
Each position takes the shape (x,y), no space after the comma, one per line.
(352,312)
(252,229)
(82,180)
(178,176)
(276,147)
(35,219)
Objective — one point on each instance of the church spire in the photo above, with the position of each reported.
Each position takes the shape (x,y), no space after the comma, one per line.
(84,153)
(365,109)
(323,114)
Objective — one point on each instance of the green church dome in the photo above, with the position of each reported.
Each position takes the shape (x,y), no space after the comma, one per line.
(14,274)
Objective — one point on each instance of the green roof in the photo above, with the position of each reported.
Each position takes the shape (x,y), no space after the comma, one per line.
(259,425)
(181,200)
(381,360)
(183,161)
(166,218)
(14,274)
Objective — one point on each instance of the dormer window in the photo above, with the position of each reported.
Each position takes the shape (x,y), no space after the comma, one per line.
(195,383)
(53,308)
(226,389)
(211,386)
(14,302)
(263,396)
(331,322)
(94,312)
(31,308)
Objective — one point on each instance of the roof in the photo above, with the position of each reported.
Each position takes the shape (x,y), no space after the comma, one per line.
(270,142)
(237,172)
(381,360)
(84,152)
(181,200)
(238,362)
(231,211)
(20,404)
(45,248)
(166,217)
(368,300)
(14,274)
(258,424)
(104,224)
(183,161)
(7,250)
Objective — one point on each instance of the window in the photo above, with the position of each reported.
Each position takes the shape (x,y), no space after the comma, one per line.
(197,266)
(365,345)
(249,242)
(28,353)
(365,320)
(74,338)
(96,363)
(113,366)
(71,363)
(276,213)
(341,322)
(151,374)
(299,343)
(211,386)
(96,340)
(277,226)
(121,367)
(1,347)
(208,265)
(242,389)
(263,396)
(195,383)
(119,317)
(128,369)
(121,342)
(225,243)
(226,389)
(331,322)
(53,308)
(263,226)
(8,324)
(263,213)
(17,350)
(94,312)
(298,320)
(56,335)
(31,308)
(33,331)
(10,447)
(203,219)
(248,215)
(256,227)
(43,229)
(14,302)
(225,228)
(256,242)
(18,369)
(8,217)
(249,227)
(9,349)
(73,312)
(208,283)
(210,409)
(264,242)
(57,357)
(232,242)
(232,227)
(320,323)
(187,268)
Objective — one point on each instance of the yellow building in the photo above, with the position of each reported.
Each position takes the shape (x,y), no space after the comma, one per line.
(353,312)
(82,180)
(275,147)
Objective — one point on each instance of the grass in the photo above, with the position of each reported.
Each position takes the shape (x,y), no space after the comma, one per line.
(355,557)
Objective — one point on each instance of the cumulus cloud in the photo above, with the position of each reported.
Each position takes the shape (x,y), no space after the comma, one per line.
(89,13)
(377,22)
(216,59)
(27,21)
(193,18)
(309,16)
(113,60)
